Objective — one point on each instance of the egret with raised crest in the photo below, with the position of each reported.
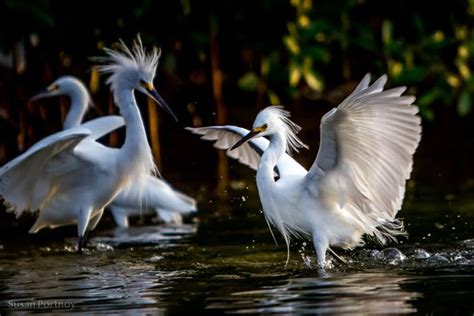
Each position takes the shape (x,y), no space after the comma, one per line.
(154,195)
(356,185)
(70,177)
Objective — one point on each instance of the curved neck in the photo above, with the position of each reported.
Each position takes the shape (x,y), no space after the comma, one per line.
(79,103)
(137,152)
(271,156)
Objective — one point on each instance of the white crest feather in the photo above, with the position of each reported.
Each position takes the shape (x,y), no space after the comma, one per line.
(290,129)
(127,66)
(125,59)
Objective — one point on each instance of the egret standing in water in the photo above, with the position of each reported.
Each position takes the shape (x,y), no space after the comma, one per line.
(154,195)
(68,176)
(356,184)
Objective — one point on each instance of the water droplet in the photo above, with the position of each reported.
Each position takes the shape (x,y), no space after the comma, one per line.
(375,254)
(438,259)
(421,254)
(155,258)
(104,247)
(393,256)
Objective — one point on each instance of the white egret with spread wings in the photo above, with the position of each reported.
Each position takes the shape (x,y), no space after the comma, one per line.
(355,186)
(70,177)
(153,196)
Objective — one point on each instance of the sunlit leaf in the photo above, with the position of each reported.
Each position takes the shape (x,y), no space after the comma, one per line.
(387,29)
(464,103)
(295,75)
(265,66)
(186,5)
(438,36)
(429,97)
(313,81)
(427,113)
(273,97)
(304,21)
(292,45)
(249,82)
(453,80)
(94,82)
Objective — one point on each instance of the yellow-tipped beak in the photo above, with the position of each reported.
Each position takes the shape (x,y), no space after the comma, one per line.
(52,88)
(148,86)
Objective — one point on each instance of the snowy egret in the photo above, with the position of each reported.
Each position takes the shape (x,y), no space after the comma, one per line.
(68,176)
(356,184)
(156,195)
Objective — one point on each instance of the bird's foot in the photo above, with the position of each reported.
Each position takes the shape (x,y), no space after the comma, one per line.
(86,238)
(82,242)
(79,245)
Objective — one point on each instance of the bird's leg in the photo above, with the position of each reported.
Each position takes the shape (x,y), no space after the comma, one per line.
(79,245)
(120,216)
(82,223)
(321,246)
(85,239)
(95,220)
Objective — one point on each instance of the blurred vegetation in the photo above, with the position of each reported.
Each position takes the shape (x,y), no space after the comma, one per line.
(221,55)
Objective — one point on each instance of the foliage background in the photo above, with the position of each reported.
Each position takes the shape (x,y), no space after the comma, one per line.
(224,60)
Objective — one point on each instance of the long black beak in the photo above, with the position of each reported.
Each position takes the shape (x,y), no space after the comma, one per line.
(162,103)
(244,139)
(41,95)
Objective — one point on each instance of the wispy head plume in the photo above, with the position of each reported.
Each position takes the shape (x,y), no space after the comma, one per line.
(290,129)
(125,64)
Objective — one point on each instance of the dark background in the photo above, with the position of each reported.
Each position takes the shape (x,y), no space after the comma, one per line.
(222,61)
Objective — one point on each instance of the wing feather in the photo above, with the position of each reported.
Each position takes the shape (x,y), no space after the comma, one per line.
(103,125)
(366,155)
(22,180)
(249,153)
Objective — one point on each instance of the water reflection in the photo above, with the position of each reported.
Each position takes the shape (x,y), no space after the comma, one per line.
(146,235)
(368,293)
(84,282)
(224,267)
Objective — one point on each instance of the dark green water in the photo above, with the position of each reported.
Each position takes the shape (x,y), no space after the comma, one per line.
(231,265)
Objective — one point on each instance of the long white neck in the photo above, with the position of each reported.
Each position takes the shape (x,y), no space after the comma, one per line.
(270,158)
(136,155)
(79,103)
(266,183)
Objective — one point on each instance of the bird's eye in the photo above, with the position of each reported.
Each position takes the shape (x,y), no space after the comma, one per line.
(261,128)
(146,85)
(53,87)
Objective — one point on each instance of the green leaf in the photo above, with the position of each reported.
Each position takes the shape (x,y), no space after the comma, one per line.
(464,103)
(295,75)
(249,82)
(292,45)
(387,30)
(427,113)
(429,97)
(273,97)
(313,80)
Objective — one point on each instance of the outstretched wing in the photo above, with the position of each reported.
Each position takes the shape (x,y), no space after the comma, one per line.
(366,152)
(154,193)
(103,125)
(249,153)
(22,181)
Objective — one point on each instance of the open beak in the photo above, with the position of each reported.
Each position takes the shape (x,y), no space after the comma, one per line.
(245,139)
(158,99)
